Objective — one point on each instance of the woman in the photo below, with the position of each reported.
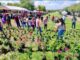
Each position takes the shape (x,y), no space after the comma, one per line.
(3,18)
(60,28)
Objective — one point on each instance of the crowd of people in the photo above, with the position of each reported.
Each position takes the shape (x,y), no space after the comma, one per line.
(36,22)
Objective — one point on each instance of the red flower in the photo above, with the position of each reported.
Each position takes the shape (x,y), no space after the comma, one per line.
(66,49)
(59,51)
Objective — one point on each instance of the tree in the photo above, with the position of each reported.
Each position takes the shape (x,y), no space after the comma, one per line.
(75,7)
(13,4)
(27,4)
(41,8)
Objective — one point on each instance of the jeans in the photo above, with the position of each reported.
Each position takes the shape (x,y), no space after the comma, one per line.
(39,30)
(60,34)
(24,24)
(73,25)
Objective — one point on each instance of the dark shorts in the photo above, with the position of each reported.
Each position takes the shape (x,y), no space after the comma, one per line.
(0,28)
(33,25)
(45,25)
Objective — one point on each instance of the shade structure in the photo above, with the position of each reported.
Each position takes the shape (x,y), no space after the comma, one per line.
(13,8)
(3,7)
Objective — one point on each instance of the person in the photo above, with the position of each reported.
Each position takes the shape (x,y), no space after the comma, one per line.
(49,16)
(38,25)
(53,18)
(74,22)
(29,23)
(64,18)
(60,28)
(21,20)
(8,18)
(42,18)
(33,23)
(64,13)
(24,22)
(1,27)
(3,18)
(17,20)
(45,22)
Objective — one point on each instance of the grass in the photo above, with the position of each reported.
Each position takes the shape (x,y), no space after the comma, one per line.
(68,22)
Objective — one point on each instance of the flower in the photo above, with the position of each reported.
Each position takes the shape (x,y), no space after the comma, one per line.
(59,51)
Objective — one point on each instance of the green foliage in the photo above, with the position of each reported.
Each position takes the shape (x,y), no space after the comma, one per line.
(27,4)
(13,4)
(75,7)
(41,8)
(53,48)
(71,37)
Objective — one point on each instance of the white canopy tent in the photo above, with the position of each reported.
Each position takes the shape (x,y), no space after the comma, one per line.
(16,8)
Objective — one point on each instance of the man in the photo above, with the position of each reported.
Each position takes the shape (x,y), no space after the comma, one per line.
(64,13)
(17,20)
(38,25)
(74,22)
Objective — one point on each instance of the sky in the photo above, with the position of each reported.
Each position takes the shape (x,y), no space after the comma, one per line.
(55,5)
(9,1)
(49,4)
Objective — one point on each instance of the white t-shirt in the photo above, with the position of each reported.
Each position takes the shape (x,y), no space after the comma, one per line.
(63,17)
